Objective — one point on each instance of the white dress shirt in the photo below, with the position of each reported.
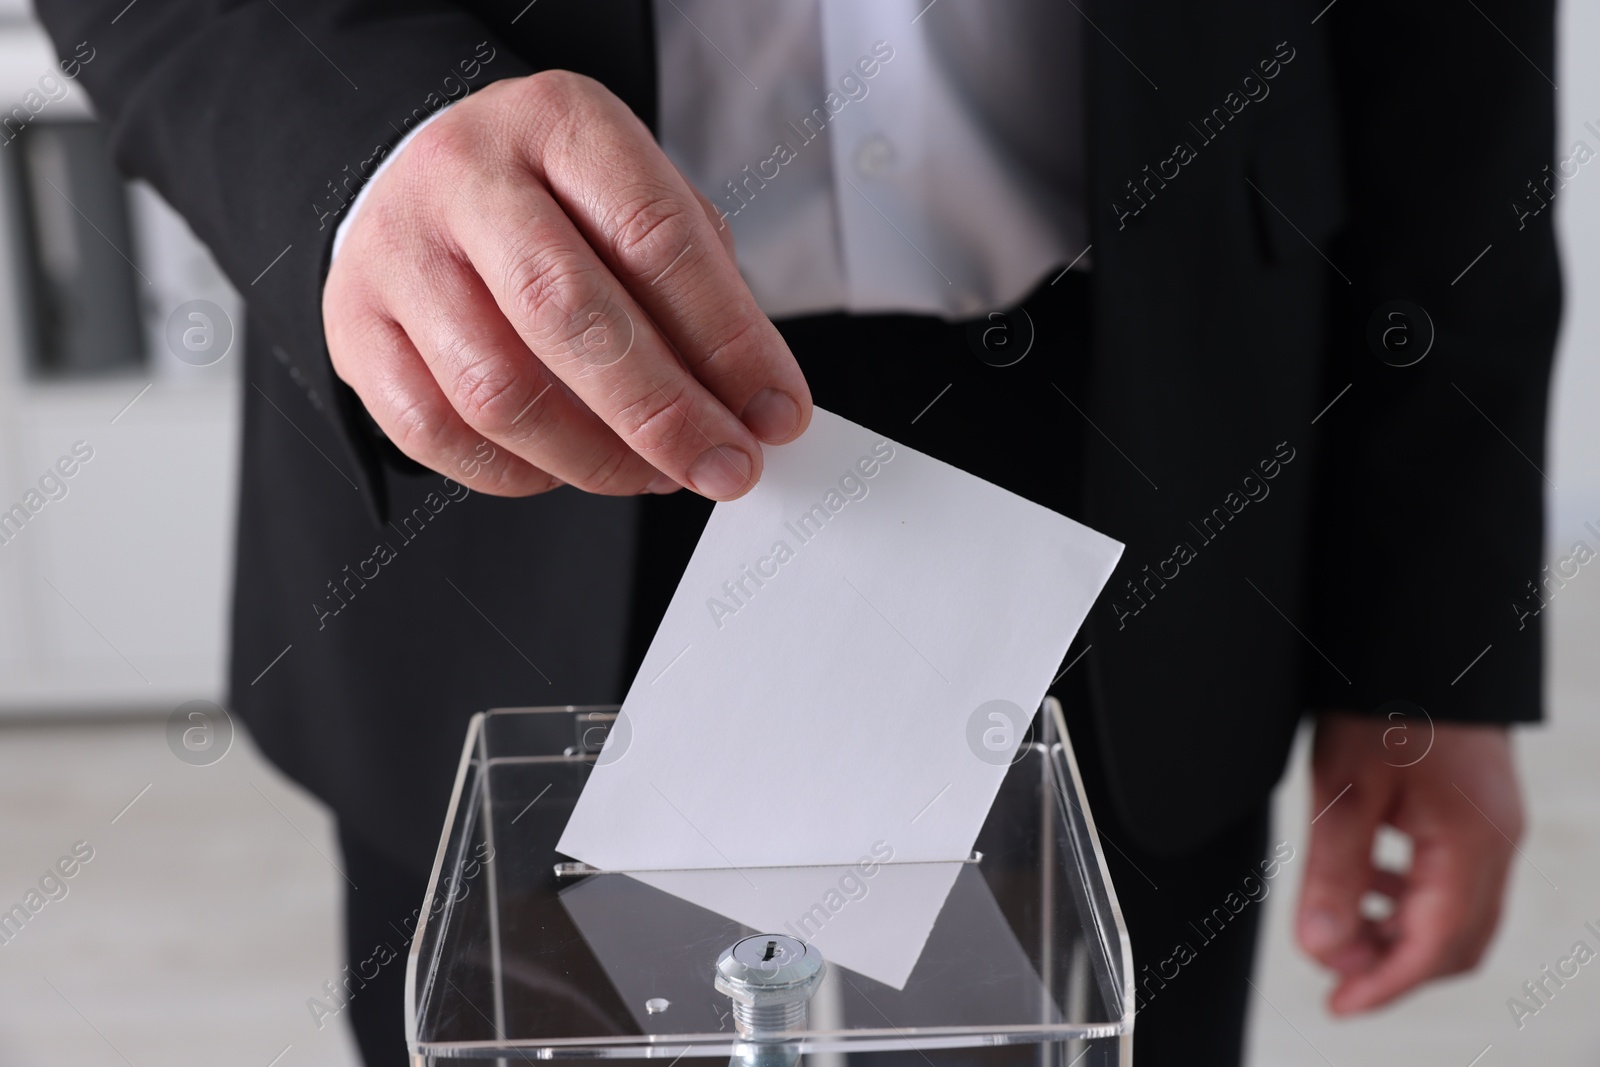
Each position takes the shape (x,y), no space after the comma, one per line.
(883,156)
(949,182)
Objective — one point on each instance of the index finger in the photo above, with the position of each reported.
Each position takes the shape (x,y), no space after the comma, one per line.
(649,226)
(1338,868)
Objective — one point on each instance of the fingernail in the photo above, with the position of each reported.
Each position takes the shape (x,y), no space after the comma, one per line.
(772,416)
(721,472)
(1322,930)
(662,484)
(1351,997)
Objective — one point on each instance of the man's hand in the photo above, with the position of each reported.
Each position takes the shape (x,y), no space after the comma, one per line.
(1461,807)
(532,271)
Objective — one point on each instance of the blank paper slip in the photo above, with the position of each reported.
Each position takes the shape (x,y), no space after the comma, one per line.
(843,669)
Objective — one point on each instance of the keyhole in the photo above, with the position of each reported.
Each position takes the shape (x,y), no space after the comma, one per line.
(772,948)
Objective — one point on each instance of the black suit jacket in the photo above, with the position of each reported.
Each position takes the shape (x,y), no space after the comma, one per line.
(1241,249)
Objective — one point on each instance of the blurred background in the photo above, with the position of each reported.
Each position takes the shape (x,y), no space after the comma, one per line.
(206,914)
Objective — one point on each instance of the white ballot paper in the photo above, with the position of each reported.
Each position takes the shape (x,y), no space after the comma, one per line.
(845,670)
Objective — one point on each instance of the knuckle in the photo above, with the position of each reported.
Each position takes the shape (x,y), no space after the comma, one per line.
(656,425)
(649,229)
(509,478)
(382,235)
(488,470)
(489,392)
(539,419)
(613,475)
(732,340)
(554,101)
(558,85)
(353,323)
(416,429)
(550,294)
(444,147)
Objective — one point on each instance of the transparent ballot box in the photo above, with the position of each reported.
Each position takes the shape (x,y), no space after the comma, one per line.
(1016,956)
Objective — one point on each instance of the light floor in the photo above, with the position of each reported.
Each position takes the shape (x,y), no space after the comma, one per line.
(207,916)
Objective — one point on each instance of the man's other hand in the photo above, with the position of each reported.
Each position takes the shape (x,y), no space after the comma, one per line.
(1461,807)
(534,273)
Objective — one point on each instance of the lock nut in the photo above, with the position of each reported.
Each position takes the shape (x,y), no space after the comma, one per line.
(770,979)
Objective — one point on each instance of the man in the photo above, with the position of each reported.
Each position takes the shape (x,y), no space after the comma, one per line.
(1207,215)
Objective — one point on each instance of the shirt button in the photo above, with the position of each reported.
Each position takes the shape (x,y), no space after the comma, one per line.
(874,156)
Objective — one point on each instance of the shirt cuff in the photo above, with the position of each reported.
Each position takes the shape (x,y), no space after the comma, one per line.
(383,165)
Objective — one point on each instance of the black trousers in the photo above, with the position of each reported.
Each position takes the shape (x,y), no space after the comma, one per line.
(994,397)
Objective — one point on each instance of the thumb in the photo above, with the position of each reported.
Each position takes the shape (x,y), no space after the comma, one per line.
(1338,872)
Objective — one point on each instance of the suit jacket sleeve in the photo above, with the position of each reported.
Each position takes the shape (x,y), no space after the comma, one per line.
(1430,477)
(259,120)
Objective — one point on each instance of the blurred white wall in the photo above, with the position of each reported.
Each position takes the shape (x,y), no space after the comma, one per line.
(114,596)
(1575,439)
